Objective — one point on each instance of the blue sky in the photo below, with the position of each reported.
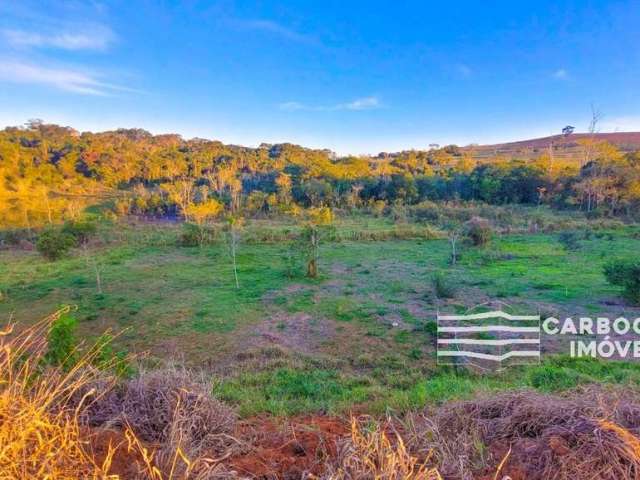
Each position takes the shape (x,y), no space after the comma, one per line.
(353,76)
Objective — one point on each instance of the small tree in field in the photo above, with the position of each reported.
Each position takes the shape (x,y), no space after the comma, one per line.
(201,214)
(454,231)
(319,219)
(82,230)
(234,230)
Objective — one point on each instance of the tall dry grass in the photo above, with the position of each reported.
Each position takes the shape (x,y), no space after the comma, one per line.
(372,454)
(44,432)
(40,435)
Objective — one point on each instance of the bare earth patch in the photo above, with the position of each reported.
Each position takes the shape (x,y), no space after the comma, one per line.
(297,332)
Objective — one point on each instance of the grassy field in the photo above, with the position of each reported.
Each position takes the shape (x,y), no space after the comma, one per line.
(358,337)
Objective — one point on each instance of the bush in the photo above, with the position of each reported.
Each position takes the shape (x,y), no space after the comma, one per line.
(196,235)
(54,244)
(442,286)
(80,230)
(427,211)
(378,208)
(569,240)
(479,231)
(431,327)
(61,341)
(626,274)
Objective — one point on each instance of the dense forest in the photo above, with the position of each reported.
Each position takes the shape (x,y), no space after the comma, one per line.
(49,173)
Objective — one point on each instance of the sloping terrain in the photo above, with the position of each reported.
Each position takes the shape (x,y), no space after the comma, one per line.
(564,146)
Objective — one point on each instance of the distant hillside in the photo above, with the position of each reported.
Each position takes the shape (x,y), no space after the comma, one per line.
(564,146)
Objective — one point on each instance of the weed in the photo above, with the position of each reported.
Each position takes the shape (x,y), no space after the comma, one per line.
(442,286)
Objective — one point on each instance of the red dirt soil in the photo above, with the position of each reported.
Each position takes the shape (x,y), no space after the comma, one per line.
(271,448)
(124,462)
(285,449)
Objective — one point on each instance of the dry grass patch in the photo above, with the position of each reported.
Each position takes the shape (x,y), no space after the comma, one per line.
(589,433)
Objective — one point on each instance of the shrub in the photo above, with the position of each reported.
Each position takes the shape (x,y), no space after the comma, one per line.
(398,212)
(442,286)
(320,216)
(427,211)
(431,327)
(569,240)
(61,341)
(54,244)
(625,274)
(378,207)
(80,230)
(197,235)
(479,231)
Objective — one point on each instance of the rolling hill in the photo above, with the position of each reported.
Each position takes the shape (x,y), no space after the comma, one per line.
(564,146)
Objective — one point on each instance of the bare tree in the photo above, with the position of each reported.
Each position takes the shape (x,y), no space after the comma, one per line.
(589,149)
(234,229)
(454,231)
(588,146)
(181,193)
(92,263)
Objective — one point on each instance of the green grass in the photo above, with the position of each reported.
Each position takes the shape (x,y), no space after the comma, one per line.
(376,300)
(289,391)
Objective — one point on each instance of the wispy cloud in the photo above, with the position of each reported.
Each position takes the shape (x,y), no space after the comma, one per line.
(292,106)
(463,70)
(560,74)
(98,38)
(364,103)
(630,123)
(275,28)
(67,79)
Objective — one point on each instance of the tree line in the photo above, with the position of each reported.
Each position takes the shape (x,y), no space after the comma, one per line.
(49,173)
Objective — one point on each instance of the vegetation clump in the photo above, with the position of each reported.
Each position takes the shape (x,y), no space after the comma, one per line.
(569,240)
(443,286)
(81,230)
(479,231)
(54,244)
(625,274)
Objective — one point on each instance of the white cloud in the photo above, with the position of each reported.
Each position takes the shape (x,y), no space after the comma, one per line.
(560,74)
(364,103)
(66,79)
(98,38)
(292,106)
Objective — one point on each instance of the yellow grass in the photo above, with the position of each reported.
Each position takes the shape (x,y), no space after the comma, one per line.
(40,433)
(371,454)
